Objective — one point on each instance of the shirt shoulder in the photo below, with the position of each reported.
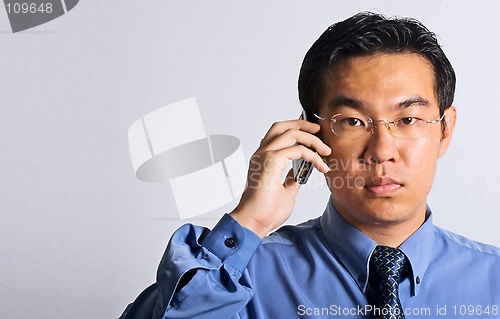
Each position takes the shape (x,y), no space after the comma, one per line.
(461,270)
(292,234)
(455,241)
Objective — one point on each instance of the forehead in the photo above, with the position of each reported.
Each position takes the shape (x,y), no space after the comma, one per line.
(380,81)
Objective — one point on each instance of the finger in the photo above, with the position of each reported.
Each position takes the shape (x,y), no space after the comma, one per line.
(279,128)
(300,152)
(310,156)
(290,183)
(292,137)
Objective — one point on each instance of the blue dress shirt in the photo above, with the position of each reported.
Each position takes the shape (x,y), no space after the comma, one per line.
(320,269)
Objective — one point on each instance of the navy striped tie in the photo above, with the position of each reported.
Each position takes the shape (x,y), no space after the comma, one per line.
(389,263)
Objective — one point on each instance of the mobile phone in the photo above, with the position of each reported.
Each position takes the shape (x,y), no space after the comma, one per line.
(301,169)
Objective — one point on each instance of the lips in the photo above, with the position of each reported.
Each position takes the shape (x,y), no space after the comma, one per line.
(382,186)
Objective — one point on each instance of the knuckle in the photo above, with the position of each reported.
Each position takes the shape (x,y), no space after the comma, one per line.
(275,126)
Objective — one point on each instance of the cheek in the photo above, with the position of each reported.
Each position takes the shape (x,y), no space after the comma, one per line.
(340,148)
(344,159)
(419,161)
(345,186)
(342,162)
(347,172)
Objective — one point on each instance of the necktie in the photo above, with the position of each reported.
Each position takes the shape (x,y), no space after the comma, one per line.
(388,262)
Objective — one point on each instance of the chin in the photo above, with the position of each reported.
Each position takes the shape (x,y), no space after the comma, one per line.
(373,210)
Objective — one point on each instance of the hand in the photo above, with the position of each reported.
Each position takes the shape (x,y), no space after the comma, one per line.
(267,201)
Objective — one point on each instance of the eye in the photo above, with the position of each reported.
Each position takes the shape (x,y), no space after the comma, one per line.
(407,121)
(353,121)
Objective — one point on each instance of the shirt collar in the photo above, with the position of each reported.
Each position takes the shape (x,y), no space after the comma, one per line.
(418,250)
(354,248)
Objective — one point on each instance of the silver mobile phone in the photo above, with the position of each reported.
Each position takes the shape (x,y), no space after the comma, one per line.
(301,169)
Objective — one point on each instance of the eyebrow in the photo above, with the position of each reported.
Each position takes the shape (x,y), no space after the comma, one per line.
(343,100)
(420,101)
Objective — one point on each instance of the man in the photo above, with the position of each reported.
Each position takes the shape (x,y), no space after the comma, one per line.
(378,94)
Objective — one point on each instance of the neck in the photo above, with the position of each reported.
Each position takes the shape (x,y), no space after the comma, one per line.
(388,232)
(390,235)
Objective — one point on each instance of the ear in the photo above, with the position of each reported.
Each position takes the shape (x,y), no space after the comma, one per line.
(450,118)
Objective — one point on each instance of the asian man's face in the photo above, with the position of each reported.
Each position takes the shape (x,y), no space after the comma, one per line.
(378,179)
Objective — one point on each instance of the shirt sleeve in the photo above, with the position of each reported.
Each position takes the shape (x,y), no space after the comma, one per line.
(213,263)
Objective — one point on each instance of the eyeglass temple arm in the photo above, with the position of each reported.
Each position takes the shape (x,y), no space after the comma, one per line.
(319,117)
(435,121)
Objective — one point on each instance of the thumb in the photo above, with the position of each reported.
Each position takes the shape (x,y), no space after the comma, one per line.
(290,184)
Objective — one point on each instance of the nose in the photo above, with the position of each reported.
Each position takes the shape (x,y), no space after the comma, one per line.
(381,145)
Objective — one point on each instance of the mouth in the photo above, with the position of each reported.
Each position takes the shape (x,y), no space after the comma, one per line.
(382,186)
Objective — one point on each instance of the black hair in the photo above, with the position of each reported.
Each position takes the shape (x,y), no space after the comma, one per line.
(366,34)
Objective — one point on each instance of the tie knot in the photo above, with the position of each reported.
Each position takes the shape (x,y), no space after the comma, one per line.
(388,261)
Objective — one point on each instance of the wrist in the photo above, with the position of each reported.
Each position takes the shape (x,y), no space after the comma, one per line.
(249,223)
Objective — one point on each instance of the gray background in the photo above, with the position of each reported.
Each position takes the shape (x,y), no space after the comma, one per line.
(80,236)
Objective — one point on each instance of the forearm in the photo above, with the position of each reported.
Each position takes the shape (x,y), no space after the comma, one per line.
(201,273)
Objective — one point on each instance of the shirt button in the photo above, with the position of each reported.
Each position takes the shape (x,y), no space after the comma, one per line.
(418,280)
(230,242)
(361,277)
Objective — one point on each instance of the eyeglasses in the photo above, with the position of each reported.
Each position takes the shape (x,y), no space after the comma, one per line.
(354,126)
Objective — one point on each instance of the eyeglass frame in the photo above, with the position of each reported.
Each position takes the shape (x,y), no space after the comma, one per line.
(373,123)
